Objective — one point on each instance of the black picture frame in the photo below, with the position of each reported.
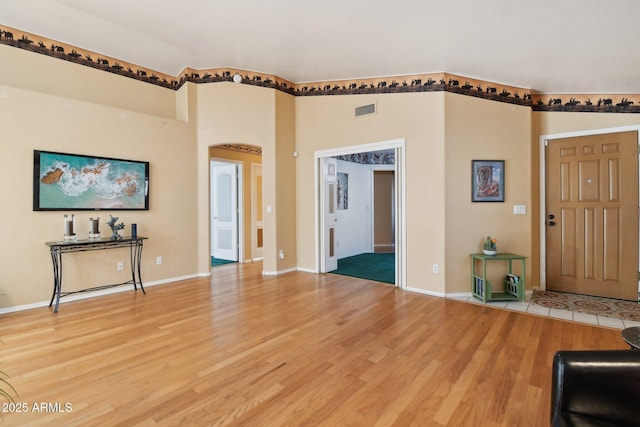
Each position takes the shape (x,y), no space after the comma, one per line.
(78,182)
(487,181)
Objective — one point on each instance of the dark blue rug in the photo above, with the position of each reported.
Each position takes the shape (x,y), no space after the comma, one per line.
(372,266)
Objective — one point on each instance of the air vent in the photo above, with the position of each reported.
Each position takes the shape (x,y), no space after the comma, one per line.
(365,110)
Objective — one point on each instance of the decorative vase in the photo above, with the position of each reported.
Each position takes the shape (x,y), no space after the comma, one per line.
(487,252)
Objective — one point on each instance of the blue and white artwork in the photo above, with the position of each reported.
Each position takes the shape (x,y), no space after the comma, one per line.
(68,181)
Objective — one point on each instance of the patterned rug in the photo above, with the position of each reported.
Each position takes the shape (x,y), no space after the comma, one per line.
(618,309)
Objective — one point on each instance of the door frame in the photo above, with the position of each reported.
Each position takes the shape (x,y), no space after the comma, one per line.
(543,141)
(256,252)
(240,201)
(400,200)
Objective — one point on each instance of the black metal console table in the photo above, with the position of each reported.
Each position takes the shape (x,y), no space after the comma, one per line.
(62,247)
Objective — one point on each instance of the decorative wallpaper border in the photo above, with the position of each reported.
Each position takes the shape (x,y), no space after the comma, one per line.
(432,82)
(242,148)
(600,103)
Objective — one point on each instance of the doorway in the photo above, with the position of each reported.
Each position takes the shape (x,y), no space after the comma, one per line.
(332,232)
(226,223)
(590,214)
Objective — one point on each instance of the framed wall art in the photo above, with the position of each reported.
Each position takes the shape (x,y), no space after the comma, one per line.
(487,180)
(64,181)
(343,190)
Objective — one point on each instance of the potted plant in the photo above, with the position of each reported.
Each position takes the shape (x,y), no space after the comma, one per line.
(489,247)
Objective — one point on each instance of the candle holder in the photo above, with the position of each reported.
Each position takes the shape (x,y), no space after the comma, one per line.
(69,227)
(94,228)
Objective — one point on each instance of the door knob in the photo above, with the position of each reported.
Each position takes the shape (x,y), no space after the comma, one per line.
(551,223)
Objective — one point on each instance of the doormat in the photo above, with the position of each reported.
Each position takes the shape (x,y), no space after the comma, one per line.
(607,307)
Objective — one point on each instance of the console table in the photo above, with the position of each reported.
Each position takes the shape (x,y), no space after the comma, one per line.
(484,289)
(67,246)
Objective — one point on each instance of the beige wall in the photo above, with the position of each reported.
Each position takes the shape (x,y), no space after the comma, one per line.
(81,110)
(484,130)
(37,119)
(326,122)
(71,81)
(285,184)
(236,113)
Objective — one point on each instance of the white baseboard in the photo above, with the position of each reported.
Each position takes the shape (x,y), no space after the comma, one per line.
(307,270)
(457,295)
(425,292)
(279,272)
(93,294)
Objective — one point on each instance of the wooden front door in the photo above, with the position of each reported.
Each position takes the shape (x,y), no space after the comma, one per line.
(592,215)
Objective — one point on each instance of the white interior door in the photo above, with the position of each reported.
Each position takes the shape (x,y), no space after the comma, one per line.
(224,212)
(329,195)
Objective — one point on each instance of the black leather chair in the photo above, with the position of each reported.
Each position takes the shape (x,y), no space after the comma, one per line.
(596,388)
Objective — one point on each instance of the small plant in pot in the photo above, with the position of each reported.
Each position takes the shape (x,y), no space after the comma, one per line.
(489,247)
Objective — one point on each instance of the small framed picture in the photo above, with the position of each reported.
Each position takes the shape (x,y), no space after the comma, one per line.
(487,180)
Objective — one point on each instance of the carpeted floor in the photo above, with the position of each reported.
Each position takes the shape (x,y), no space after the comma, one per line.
(372,266)
(217,261)
(619,309)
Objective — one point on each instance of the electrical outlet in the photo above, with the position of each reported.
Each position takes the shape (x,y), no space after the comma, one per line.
(159,260)
(436,268)
(281,254)
(120,266)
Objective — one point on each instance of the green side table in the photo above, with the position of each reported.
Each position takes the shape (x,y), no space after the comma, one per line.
(508,290)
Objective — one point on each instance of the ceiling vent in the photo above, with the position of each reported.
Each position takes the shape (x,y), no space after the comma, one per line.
(365,110)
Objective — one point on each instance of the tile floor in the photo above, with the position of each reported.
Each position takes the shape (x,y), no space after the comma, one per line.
(528,307)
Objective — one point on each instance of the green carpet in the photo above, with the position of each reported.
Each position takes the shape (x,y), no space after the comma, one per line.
(217,261)
(373,266)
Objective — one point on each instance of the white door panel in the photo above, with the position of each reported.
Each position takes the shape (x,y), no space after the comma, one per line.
(224,211)
(329,196)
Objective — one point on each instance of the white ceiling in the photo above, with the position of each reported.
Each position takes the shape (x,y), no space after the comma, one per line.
(551,46)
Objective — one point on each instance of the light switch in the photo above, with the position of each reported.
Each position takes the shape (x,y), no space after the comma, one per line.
(519,209)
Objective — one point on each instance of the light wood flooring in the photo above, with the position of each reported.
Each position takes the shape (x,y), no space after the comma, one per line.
(294,350)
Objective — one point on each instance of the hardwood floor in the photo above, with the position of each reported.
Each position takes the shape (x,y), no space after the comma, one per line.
(298,349)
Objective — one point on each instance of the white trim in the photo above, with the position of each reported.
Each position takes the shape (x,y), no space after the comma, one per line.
(240,200)
(458,295)
(307,270)
(256,253)
(401,231)
(361,148)
(426,292)
(279,272)
(93,294)
(542,183)
(397,144)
